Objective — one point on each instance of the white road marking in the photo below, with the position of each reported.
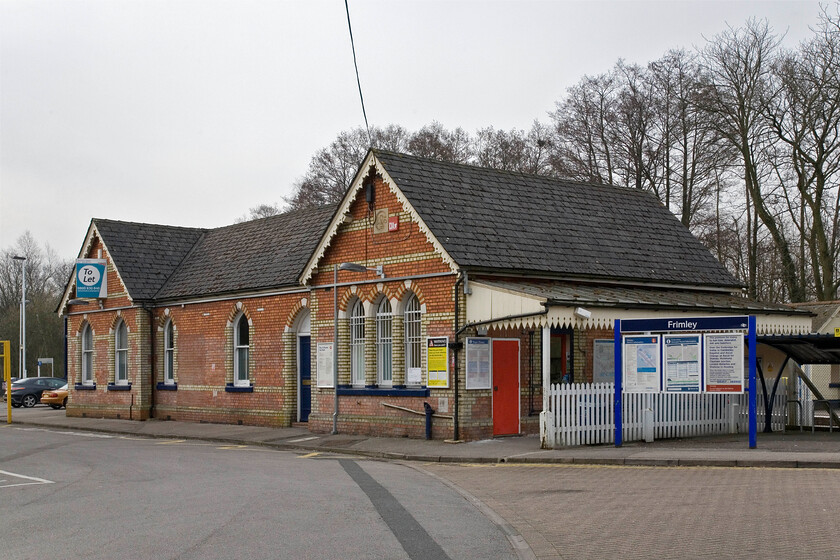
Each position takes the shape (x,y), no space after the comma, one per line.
(32,479)
(83,434)
(302,439)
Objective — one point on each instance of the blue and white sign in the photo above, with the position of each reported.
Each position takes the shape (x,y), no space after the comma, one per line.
(91,278)
(682,363)
(641,364)
(687,324)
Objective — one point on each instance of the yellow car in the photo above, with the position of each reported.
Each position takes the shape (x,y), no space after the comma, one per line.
(55,398)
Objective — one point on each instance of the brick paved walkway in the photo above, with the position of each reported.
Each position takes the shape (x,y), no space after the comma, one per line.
(566,511)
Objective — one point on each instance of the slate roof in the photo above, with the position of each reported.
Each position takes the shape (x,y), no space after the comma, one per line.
(146,254)
(164,262)
(265,253)
(490,219)
(671,299)
(825,311)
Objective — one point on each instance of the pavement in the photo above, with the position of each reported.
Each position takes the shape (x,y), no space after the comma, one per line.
(790,449)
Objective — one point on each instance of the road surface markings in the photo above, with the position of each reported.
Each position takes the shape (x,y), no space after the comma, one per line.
(302,439)
(309,455)
(416,542)
(62,432)
(31,479)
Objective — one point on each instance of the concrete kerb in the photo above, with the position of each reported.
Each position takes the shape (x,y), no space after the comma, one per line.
(484,454)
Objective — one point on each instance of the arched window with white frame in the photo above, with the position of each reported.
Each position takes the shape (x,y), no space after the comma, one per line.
(384,343)
(121,354)
(87,355)
(357,344)
(241,342)
(169,353)
(413,341)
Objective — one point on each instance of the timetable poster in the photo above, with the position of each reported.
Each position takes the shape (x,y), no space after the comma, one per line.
(682,363)
(641,364)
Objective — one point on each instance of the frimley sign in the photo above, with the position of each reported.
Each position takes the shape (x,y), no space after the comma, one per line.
(687,324)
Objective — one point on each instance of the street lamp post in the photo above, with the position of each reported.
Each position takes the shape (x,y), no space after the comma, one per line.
(353,267)
(22,340)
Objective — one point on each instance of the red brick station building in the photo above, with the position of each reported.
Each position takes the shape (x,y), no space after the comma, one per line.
(465,288)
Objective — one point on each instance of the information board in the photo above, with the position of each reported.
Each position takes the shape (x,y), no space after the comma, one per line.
(478,363)
(603,361)
(724,361)
(324,365)
(437,361)
(641,364)
(682,363)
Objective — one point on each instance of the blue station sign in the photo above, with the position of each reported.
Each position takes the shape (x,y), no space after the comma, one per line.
(734,323)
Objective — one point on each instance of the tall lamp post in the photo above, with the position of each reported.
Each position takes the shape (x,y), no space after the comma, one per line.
(22,363)
(353,267)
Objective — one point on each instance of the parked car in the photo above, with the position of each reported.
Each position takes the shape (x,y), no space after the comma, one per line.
(56,398)
(3,384)
(27,392)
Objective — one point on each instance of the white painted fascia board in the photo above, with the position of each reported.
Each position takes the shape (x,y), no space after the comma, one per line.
(343,209)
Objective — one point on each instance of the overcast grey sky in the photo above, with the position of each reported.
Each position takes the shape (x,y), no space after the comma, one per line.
(190,112)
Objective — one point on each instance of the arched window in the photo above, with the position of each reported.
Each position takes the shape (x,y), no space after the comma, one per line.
(384,351)
(169,353)
(357,344)
(413,341)
(241,340)
(87,355)
(121,354)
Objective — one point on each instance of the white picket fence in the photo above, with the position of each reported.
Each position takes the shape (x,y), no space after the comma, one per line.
(583,413)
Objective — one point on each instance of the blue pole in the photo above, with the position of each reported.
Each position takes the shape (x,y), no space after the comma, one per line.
(752,353)
(618,369)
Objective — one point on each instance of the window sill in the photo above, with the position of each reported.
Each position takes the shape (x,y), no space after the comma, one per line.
(84,387)
(231,388)
(384,392)
(115,387)
(167,387)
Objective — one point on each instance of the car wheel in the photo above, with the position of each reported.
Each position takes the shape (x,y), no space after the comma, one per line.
(64,402)
(29,401)
(55,406)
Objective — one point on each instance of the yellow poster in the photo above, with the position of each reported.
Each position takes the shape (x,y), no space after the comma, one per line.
(437,361)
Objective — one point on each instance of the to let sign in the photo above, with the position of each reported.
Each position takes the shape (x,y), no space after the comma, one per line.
(91,278)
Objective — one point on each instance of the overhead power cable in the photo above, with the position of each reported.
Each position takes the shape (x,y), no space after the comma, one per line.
(356,64)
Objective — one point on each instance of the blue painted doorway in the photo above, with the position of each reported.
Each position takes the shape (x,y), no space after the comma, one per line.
(304,377)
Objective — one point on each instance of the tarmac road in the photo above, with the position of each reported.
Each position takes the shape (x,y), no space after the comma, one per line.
(69,494)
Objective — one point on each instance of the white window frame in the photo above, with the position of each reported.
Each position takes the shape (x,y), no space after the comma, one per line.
(240,378)
(87,355)
(121,353)
(357,344)
(169,353)
(412,326)
(384,344)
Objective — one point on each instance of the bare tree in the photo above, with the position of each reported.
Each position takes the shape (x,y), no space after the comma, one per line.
(435,142)
(737,66)
(46,276)
(805,117)
(260,211)
(514,150)
(584,131)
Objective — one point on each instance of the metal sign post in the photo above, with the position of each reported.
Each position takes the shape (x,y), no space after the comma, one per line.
(6,362)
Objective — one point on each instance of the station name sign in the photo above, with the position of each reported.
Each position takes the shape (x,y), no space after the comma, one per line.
(688,324)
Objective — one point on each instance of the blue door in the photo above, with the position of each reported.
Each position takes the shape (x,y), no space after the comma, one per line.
(305,376)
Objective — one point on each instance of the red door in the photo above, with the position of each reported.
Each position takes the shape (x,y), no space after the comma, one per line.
(505,387)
